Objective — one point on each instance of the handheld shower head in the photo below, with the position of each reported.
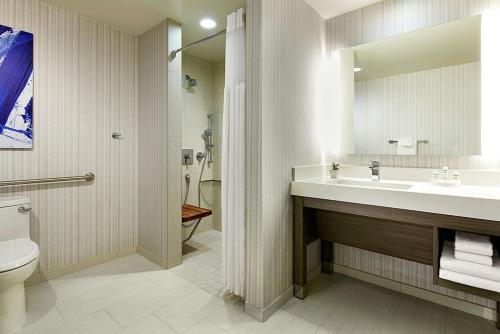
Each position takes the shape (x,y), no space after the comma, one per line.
(208,133)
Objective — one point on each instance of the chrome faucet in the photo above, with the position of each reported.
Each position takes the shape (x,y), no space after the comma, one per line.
(375,167)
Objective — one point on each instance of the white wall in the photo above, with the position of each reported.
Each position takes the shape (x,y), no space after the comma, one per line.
(287,38)
(198,104)
(382,20)
(85,89)
(219,85)
(160,134)
(442,106)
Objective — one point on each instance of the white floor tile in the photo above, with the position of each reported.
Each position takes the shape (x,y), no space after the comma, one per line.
(206,327)
(95,323)
(284,322)
(67,287)
(133,295)
(134,263)
(97,299)
(41,323)
(233,319)
(134,307)
(190,310)
(202,266)
(149,325)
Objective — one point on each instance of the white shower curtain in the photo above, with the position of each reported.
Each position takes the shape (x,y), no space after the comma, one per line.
(233,158)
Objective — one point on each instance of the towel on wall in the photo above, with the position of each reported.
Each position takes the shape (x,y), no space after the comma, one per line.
(407,146)
(474,258)
(477,282)
(449,262)
(473,243)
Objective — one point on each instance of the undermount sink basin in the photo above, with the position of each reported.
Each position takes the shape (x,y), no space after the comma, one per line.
(371,184)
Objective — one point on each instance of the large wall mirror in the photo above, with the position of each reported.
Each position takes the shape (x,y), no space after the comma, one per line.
(420,92)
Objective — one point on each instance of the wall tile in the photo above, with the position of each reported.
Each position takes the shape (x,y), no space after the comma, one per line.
(85,89)
(160,118)
(288,36)
(199,103)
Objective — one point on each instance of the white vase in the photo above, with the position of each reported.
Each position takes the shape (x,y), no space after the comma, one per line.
(334,174)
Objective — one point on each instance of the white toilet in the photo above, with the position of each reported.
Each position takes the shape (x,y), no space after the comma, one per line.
(18,260)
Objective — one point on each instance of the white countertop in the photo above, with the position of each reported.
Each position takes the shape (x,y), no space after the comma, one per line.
(462,200)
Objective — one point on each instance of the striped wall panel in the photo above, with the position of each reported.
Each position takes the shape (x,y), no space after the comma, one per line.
(442,106)
(291,35)
(85,89)
(153,139)
(253,184)
(281,121)
(382,20)
(160,138)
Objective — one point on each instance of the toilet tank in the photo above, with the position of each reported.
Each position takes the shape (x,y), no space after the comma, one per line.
(14,218)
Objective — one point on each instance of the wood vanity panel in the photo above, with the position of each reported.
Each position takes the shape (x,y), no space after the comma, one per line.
(412,235)
(300,244)
(406,241)
(474,225)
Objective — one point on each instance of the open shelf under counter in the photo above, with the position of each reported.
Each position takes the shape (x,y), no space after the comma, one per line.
(445,234)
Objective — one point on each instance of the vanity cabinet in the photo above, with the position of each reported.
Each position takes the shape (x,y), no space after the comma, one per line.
(412,235)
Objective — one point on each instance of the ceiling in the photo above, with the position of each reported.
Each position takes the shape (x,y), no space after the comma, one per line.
(330,8)
(138,16)
(454,43)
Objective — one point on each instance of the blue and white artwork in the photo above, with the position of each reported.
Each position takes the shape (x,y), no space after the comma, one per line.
(16,88)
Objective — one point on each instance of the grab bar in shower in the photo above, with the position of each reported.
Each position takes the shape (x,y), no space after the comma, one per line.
(89,177)
(207,181)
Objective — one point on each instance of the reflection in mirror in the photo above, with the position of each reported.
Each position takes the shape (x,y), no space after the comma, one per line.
(420,92)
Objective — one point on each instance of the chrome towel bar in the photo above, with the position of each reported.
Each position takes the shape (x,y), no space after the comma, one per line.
(420,141)
(89,177)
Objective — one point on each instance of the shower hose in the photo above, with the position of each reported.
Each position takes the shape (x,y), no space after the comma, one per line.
(199,199)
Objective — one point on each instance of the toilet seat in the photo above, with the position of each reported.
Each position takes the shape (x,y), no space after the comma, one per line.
(17,253)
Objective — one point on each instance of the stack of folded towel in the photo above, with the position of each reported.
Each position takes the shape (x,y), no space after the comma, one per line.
(471,260)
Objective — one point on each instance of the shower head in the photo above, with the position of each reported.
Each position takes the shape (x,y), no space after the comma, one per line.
(208,133)
(191,82)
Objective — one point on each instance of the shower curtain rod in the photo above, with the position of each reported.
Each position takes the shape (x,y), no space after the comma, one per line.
(174,53)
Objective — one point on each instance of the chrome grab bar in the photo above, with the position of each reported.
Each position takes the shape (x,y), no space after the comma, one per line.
(24,209)
(206,181)
(89,177)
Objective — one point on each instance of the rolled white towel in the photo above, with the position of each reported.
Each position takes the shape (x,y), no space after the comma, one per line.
(473,243)
(449,262)
(474,258)
(477,282)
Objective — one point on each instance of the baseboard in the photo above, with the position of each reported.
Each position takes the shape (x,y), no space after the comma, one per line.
(262,314)
(434,297)
(152,257)
(314,273)
(41,276)
(265,313)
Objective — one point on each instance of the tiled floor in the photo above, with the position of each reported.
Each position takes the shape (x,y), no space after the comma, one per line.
(202,262)
(134,296)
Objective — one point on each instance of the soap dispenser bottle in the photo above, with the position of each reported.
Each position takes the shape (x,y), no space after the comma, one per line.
(445,172)
(435,176)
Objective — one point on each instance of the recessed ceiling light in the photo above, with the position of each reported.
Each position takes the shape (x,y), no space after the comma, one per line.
(358,69)
(208,23)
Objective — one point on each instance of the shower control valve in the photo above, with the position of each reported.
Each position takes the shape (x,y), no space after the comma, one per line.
(200,156)
(187,157)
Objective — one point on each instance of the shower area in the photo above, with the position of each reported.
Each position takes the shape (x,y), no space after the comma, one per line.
(203,93)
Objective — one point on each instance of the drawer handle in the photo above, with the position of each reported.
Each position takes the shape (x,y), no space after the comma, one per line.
(23,209)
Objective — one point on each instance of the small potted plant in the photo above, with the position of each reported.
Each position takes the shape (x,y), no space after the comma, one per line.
(334,170)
